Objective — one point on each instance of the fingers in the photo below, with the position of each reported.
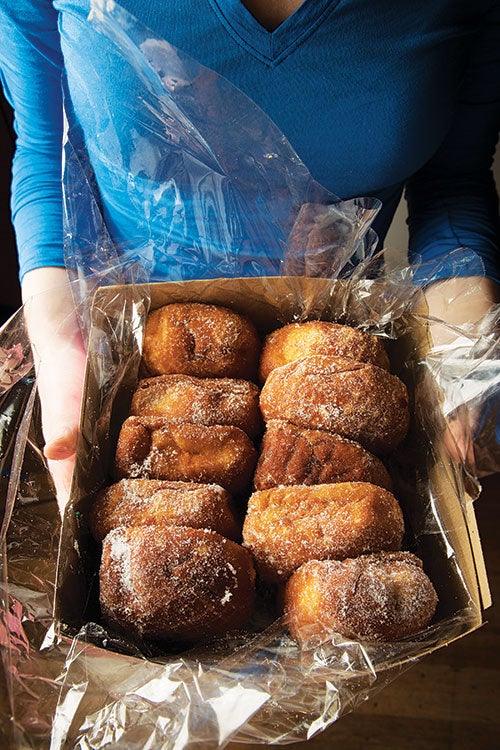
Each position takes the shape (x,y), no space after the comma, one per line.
(60,386)
(458,437)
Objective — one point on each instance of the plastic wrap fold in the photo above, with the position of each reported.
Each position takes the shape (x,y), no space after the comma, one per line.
(198,196)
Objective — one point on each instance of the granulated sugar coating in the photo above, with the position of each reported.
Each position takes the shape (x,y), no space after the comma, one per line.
(191,338)
(295,455)
(297,340)
(286,526)
(206,401)
(134,502)
(156,448)
(175,583)
(357,400)
(381,597)
(331,411)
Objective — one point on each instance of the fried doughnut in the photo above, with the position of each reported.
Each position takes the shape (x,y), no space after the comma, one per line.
(380,597)
(142,502)
(286,526)
(205,401)
(191,338)
(174,583)
(314,237)
(298,340)
(156,448)
(354,399)
(295,455)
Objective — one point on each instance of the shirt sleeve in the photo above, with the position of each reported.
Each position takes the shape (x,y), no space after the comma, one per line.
(30,72)
(452,200)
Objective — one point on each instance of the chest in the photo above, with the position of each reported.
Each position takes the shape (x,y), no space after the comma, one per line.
(364,91)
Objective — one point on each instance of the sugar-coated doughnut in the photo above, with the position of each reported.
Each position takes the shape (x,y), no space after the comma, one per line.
(298,340)
(357,400)
(174,583)
(156,448)
(295,455)
(207,401)
(136,502)
(286,526)
(191,338)
(380,597)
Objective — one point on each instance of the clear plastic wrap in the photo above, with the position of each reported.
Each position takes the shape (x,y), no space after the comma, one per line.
(280,249)
(464,361)
(192,179)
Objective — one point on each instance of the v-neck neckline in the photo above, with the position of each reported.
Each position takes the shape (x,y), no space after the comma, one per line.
(271,46)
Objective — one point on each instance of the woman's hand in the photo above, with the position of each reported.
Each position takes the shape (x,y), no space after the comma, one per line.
(59,354)
(463,305)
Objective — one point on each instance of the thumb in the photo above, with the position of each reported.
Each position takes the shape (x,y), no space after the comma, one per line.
(60,385)
(62,443)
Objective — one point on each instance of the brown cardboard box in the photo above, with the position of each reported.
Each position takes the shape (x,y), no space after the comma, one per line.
(439,514)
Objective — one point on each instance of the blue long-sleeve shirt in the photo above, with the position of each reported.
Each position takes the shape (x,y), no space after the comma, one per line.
(375,98)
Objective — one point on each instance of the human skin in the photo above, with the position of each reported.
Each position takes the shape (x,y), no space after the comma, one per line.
(59,354)
(459,302)
(455,304)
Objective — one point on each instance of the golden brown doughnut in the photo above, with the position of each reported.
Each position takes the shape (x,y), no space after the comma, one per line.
(191,338)
(142,502)
(174,583)
(354,399)
(156,448)
(298,340)
(295,455)
(205,401)
(286,526)
(381,597)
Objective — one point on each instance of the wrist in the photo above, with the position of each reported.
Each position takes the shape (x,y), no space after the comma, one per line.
(459,303)
(49,309)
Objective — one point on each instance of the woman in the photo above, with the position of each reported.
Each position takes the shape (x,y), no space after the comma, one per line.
(375,97)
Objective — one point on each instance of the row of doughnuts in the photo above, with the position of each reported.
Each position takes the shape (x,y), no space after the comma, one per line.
(322,520)
(187,451)
(196,414)
(318,492)
(172,567)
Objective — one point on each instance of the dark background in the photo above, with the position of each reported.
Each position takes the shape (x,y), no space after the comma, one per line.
(10,293)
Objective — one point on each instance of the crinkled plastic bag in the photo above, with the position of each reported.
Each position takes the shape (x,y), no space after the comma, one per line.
(191,178)
(247,227)
(73,682)
(466,366)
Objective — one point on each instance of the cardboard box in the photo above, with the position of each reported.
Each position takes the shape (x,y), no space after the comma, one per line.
(439,515)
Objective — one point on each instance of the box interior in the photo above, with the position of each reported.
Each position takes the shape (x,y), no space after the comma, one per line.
(439,516)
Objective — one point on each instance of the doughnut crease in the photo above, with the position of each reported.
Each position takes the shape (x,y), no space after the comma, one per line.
(174,583)
(380,597)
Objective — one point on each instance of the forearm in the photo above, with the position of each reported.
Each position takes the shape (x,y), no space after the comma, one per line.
(448,212)
(50,310)
(30,72)
(60,354)
(453,200)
